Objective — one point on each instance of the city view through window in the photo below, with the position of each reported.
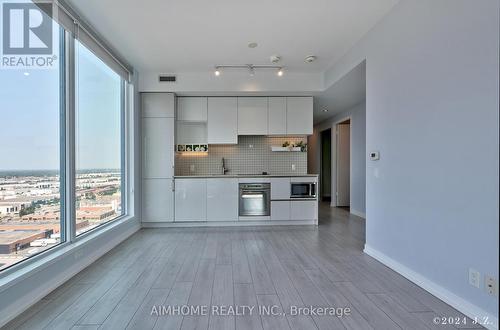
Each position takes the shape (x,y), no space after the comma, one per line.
(31,210)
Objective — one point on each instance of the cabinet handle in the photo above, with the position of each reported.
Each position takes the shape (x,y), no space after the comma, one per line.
(173,185)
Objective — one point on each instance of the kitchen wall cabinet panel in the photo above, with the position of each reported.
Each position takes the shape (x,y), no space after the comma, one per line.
(222,199)
(158,148)
(192,108)
(276,116)
(156,105)
(191,200)
(222,125)
(299,115)
(252,116)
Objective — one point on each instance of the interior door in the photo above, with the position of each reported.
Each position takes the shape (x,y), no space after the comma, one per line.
(343,164)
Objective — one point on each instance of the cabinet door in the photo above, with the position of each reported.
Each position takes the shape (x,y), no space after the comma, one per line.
(157,200)
(222,125)
(277,116)
(158,148)
(158,105)
(303,210)
(280,188)
(299,115)
(190,200)
(252,115)
(222,199)
(192,108)
(280,210)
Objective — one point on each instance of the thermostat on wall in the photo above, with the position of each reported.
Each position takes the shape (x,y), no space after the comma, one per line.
(374,155)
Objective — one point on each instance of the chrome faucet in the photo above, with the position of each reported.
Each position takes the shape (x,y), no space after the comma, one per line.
(224,169)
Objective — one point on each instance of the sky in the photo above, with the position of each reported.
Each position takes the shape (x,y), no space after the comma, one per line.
(30,115)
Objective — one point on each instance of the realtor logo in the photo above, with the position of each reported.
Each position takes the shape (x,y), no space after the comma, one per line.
(27,30)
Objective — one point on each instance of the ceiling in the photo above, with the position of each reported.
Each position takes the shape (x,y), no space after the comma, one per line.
(193,35)
(347,92)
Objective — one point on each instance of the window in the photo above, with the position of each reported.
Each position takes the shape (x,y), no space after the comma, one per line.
(31,165)
(62,116)
(99,147)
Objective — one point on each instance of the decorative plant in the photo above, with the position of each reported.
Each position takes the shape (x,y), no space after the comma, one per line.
(286,144)
(302,145)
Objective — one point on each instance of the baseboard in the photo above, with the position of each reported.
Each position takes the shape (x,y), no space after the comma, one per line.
(358,213)
(243,223)
(445,295)
(26,292)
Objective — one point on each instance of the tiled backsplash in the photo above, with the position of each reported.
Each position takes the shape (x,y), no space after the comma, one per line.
(252,155)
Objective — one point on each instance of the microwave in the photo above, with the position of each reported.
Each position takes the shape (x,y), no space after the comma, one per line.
(303,190)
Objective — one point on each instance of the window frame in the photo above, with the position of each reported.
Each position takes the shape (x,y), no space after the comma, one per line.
(67,153)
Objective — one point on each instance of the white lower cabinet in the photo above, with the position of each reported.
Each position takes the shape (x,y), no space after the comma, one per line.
(304,210)
(280,210)
(158,200)
(280,188)
(222,199)
(190,200)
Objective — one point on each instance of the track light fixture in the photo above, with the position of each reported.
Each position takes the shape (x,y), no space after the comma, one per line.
(249,67)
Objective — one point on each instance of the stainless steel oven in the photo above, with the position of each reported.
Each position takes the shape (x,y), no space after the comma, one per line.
(303,190)
(255,199)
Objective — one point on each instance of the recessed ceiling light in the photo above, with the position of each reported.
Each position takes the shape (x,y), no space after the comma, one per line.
(310,59)
(26,74)
(280,72)
(217,72)
(252,45)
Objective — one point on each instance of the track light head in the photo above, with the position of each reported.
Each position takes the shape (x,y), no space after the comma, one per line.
(280,72)
(217,71)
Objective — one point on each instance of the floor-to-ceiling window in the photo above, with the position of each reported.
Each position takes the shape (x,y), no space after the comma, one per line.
(99,147)
(62,123)
(31,135)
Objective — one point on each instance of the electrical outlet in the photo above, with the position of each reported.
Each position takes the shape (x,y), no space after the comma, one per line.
(293,167)
(491,285)
(191,168)
(474,278)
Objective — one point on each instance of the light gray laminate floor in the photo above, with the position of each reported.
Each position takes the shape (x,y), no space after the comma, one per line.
(256,266)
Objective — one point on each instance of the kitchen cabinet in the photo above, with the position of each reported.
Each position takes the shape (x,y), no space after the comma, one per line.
(190,200)
(192,109)
(155,105)
(280,210)
(276,116)
(299,115)
(222,199)
(252,116)
(158,122)
(158,200)
(280,188)
(304,210)
(158,147)
(222,124)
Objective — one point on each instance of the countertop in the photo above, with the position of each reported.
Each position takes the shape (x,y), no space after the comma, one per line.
(244,176)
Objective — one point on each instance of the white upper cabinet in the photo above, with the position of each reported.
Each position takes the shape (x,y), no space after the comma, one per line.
(222,125)
(192,109)
(277,116)
(252,115)
(157,105)
(299,117)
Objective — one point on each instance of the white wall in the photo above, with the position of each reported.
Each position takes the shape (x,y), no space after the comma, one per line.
(358,154)
(432,110)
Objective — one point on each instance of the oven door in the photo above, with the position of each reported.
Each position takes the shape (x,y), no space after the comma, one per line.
(254,201)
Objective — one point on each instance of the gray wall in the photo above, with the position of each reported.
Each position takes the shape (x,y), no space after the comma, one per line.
(358,153)
(432,110)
